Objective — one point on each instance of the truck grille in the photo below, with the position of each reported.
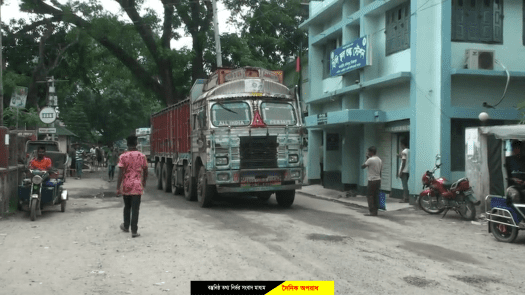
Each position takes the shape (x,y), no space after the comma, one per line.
(258,152)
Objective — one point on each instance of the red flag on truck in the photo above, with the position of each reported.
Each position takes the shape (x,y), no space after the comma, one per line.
(298,64)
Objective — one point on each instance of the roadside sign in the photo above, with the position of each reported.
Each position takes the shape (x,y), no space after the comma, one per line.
(47,130)
(48,115)
(18,98)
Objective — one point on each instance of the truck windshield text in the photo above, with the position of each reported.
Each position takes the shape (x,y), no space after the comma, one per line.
(231,114)
(274,113)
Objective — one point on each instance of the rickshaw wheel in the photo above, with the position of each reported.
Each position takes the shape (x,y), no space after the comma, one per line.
(32,213)
(63,206)
(502,232)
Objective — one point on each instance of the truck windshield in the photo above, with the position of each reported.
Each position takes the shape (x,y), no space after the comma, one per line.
(230,114)
(143,140)
(274,113)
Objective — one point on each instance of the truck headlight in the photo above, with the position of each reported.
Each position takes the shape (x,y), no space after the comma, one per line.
(295,174)
(223,177)
(293,158)
(37,179)
(221,160)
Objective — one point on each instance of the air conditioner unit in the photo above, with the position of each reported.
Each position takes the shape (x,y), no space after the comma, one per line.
(479,59)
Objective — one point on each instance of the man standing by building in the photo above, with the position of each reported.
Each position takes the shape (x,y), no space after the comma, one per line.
(374,164)
(403,171)
(133,173)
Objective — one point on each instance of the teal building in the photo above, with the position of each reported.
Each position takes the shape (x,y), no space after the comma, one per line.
(383,70)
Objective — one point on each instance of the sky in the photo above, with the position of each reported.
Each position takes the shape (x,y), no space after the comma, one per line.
(11,10)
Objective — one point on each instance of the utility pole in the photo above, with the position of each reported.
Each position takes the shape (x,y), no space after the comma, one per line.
(52,101)
(217,37)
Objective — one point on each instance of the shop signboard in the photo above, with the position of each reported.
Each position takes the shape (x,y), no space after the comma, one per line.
(352,56)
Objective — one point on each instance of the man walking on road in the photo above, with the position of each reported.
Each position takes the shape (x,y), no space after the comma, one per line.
(133,173)
(374,165)
(79,160)
(112,162)
(403,171)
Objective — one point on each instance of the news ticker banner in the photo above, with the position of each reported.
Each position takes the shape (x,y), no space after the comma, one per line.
(261,287)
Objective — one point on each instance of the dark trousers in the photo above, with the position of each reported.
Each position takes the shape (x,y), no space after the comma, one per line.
(372,196)
(404,181)
(111,171)
(131,212)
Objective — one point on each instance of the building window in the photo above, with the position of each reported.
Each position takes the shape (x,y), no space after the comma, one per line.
(329,47)
(477,21)
(397,29)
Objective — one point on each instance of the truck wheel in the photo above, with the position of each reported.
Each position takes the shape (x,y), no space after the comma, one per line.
(176,190)
(158,172)
(205,192)
(285,198)
(166,177)
(189,184)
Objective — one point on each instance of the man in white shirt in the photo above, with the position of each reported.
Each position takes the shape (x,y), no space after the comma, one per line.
(403,171)
(374,165)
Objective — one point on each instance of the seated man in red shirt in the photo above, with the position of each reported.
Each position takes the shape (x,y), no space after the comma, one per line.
(41,162)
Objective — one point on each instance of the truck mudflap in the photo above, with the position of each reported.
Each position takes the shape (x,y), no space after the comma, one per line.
(239,189)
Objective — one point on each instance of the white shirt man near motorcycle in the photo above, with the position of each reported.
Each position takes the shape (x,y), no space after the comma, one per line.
(403,171)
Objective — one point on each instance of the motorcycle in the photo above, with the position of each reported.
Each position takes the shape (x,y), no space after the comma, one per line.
(507,214)
(41,189)
(437,196)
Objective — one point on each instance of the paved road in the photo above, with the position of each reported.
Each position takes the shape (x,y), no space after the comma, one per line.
(82,251)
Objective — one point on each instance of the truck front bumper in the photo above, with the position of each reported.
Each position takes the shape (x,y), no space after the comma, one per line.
(256,180)
(239,189)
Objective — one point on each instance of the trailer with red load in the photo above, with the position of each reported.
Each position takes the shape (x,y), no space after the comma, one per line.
(240,132)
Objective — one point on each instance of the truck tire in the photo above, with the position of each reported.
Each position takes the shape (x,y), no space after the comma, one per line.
(166,177)
(189,184)
(158,172)
(176,190)
(205,192)
(285,198)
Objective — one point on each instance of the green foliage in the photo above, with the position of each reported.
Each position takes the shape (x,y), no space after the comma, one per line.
(26,118)
(76,120)
(268,32)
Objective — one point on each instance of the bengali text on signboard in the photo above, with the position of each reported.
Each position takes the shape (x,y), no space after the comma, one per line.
(350,57)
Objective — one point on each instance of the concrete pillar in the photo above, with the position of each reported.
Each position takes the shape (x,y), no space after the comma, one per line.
(314,141)
(425,90)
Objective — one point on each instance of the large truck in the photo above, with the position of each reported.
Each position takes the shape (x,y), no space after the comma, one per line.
(143,141)
(240,132)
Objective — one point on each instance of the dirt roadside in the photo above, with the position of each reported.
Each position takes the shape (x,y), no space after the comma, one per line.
(82,251)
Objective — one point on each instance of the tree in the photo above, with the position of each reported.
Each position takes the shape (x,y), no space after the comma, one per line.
(27,118)
(268,32)
(167,70)
(105,93)
(29,57)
